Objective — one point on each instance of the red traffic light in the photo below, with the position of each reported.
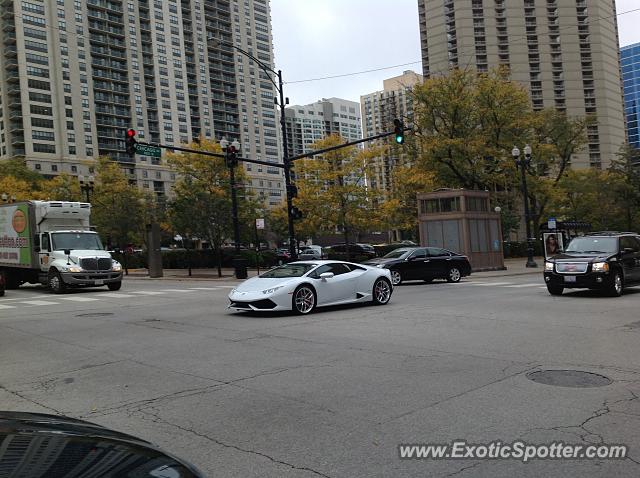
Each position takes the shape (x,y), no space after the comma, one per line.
(131,133)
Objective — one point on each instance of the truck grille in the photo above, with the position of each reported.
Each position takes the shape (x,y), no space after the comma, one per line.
(96,264)
(572,267)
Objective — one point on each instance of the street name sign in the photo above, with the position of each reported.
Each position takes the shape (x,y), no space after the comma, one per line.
(148,150)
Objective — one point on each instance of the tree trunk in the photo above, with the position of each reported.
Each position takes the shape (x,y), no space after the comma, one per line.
(219,259)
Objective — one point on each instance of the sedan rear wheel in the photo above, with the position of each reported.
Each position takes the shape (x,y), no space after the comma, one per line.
(304,299)
(381,291)
(454,275)
(396,277)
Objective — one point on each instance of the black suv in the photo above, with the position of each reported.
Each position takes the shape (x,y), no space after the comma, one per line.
(607,261)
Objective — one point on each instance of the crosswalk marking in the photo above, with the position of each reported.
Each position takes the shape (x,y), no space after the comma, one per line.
(37,302)
(147,292)
(114,295)
(531,284)
(176,290)
(485,284)
(228,286)
(2,306)
(79,299)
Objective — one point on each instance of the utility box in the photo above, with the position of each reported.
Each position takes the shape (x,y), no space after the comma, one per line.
(461,220)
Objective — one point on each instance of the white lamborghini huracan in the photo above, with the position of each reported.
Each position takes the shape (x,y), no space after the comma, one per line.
(302,286)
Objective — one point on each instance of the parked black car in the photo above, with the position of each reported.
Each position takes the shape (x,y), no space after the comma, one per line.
(424,263)
(2,284)
(37,445)
(354,249)
(609,261)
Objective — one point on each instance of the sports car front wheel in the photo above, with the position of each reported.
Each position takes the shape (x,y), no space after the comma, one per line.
(304,299)
(381,291)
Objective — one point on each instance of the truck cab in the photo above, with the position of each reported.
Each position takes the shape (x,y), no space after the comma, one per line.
(57,248)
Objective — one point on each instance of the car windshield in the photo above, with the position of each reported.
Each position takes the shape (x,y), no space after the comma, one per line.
(289,270)
(76,241)
(398,254)
(593,244)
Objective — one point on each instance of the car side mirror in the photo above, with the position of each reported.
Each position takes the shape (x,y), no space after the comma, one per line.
(67,252)
(326,275)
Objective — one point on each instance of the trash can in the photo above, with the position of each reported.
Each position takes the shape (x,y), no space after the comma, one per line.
(240,265)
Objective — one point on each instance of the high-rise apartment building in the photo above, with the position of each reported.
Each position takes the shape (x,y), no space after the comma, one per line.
(630,65)
(379,109)
(310,123)
(564,51)
(74,75)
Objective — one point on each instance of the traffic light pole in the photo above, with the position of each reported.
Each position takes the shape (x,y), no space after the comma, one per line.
(286,162)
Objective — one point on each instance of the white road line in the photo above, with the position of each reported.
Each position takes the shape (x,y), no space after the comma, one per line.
(79,299)
(228,286)
(22,298)
(204,288)
(7,306)
(147,292)
(176,290)
(531,284)
(486,284)
(114,295)
(38,302)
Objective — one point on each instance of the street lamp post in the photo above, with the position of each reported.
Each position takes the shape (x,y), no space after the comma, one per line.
(230,151)
(285,149)
(86,185)
(523,163)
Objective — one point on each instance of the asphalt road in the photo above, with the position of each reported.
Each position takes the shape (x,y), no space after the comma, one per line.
(332,394)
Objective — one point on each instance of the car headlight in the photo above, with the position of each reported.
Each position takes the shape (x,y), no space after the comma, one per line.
(600,267)
(74,269)
(272,290)
(115,266)
(548,266)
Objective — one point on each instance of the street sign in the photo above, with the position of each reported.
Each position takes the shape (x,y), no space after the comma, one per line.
(551,223)
(148,150)
(259,223)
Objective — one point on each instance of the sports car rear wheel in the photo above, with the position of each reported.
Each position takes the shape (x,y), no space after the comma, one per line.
(381,291)
(304,299)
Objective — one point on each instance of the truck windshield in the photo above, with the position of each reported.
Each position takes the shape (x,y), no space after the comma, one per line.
(76,241)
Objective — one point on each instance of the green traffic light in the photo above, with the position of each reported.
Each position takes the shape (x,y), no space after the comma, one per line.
(400,139)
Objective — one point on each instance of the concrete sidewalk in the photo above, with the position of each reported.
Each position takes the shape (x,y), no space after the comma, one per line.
(514,267)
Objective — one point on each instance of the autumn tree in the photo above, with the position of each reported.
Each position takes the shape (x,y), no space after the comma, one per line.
(333,193)
(118,207)
(202,200)
(63,187)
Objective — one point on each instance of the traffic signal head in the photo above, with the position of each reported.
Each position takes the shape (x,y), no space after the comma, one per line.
(292,190)
(296,213)
(231,156)
(131,142)
(399,131)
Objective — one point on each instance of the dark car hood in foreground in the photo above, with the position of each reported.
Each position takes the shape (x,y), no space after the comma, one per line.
(36,445)
(582,257)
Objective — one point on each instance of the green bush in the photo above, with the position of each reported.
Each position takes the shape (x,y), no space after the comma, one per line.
(519,248)
(197,258)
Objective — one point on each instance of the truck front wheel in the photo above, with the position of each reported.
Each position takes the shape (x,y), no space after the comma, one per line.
(114,285)
(56,283)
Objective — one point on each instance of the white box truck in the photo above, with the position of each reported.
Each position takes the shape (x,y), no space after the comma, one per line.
(52,243)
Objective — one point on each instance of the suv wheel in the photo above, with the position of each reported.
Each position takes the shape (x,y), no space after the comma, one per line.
(617,285)
(555,289)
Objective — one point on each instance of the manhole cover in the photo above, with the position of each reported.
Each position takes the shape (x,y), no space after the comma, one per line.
(95,314)
(569,378)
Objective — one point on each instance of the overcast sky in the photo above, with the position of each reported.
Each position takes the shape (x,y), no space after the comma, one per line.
(319,38)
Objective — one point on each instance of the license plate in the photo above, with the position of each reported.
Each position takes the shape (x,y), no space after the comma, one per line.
(569,278)
(98,282)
